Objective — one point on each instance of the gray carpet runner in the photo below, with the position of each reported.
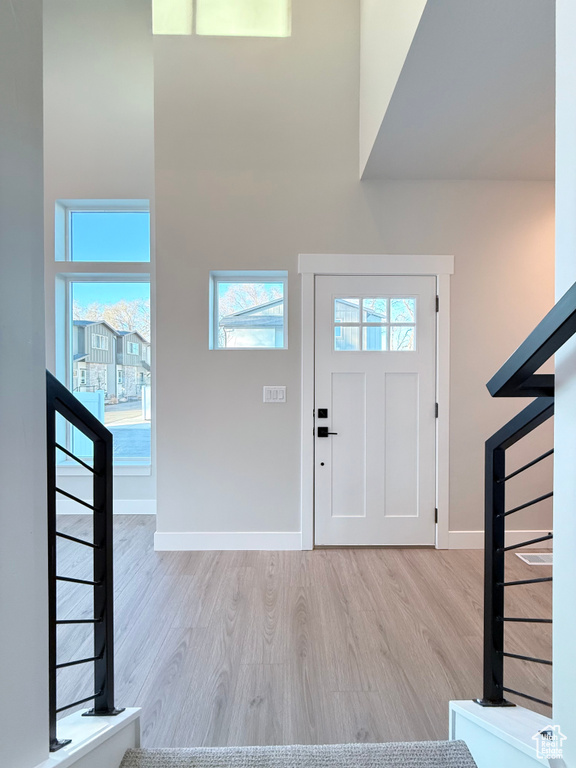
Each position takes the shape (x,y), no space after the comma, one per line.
(420,754)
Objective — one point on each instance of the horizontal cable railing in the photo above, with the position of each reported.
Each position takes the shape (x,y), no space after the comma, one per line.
(517,378)
(61,401)
(495,582)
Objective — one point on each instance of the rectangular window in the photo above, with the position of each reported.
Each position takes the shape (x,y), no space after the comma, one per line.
(238,18)
(112,389)
(243,18)
(133,348)
(99,342)
(248,310)
(98,308)
(172,17)
(108,235)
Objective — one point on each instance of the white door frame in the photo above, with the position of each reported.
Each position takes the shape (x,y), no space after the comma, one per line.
(441,267)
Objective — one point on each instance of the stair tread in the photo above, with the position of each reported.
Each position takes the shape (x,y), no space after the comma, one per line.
(421,754)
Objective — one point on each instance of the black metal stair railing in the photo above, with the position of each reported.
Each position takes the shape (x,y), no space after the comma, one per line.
(61,401)
(495,583)
(517,378)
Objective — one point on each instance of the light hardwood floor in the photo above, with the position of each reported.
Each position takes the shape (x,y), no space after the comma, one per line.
(338,645)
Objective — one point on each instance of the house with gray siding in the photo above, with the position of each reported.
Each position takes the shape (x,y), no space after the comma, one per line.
(94,356)
(133,363)
(104,359)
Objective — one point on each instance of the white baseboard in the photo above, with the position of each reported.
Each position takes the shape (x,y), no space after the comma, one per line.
(475,539)
(121,507)
(191,540)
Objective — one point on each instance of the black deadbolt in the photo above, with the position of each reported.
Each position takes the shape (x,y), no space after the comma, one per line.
(322,413)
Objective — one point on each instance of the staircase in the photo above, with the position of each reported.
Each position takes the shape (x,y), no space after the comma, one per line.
(422,754)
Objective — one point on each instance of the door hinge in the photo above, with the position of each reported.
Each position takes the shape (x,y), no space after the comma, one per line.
(436,515)
(437,303)
(436,410)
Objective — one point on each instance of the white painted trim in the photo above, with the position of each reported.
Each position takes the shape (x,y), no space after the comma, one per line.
(307,409)
(312,264)
(121,507)
(475,539)
(495,727)
(374,264)
(443,421)
(120,470)
(175,541)
(90,734)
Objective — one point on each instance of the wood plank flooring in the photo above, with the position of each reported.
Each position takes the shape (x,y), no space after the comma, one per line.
(336,645)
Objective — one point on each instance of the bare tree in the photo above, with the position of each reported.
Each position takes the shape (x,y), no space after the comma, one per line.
(124,315)
(239,296)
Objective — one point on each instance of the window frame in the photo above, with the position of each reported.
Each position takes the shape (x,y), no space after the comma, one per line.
(362,324)
(102,344)
(61,272)
(131,345)
(245,276)
(63,224)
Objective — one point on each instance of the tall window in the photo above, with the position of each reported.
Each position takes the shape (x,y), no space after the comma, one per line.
(103,333)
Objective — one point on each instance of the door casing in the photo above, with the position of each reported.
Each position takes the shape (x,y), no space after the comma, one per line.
(441,267)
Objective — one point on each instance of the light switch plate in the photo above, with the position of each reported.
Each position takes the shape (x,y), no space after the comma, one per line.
(274,394)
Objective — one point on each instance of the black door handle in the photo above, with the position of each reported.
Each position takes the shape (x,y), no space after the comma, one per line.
(323,432)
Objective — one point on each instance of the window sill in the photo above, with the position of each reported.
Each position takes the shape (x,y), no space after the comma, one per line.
(120,470)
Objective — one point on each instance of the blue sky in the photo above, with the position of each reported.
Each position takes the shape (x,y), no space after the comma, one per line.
(110,236)
(109,293)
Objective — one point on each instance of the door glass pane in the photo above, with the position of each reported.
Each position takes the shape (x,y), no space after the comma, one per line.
(375,310)
(346,339)
(402,310)
(347,310)
(374,338)
(402,338)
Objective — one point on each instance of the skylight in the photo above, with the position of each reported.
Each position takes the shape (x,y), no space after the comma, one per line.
(229,18)
(243,18)
(172,17)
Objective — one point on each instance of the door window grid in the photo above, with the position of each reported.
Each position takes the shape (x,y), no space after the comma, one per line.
(374,324)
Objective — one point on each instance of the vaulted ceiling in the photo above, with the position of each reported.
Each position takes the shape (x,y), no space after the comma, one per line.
(475,97)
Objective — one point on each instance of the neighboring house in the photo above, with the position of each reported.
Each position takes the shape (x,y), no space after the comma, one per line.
(94,356)
(104,359)
(132,363)
(263,325)
(260,326)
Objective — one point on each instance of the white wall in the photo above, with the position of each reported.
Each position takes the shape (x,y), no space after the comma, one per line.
(23,547)
(256,146)
(387,30)
(565,449)
(98,130)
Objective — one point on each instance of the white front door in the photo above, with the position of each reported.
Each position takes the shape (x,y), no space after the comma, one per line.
(375,396)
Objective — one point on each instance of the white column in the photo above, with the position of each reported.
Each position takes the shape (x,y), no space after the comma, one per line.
(23,589)
(565,408)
